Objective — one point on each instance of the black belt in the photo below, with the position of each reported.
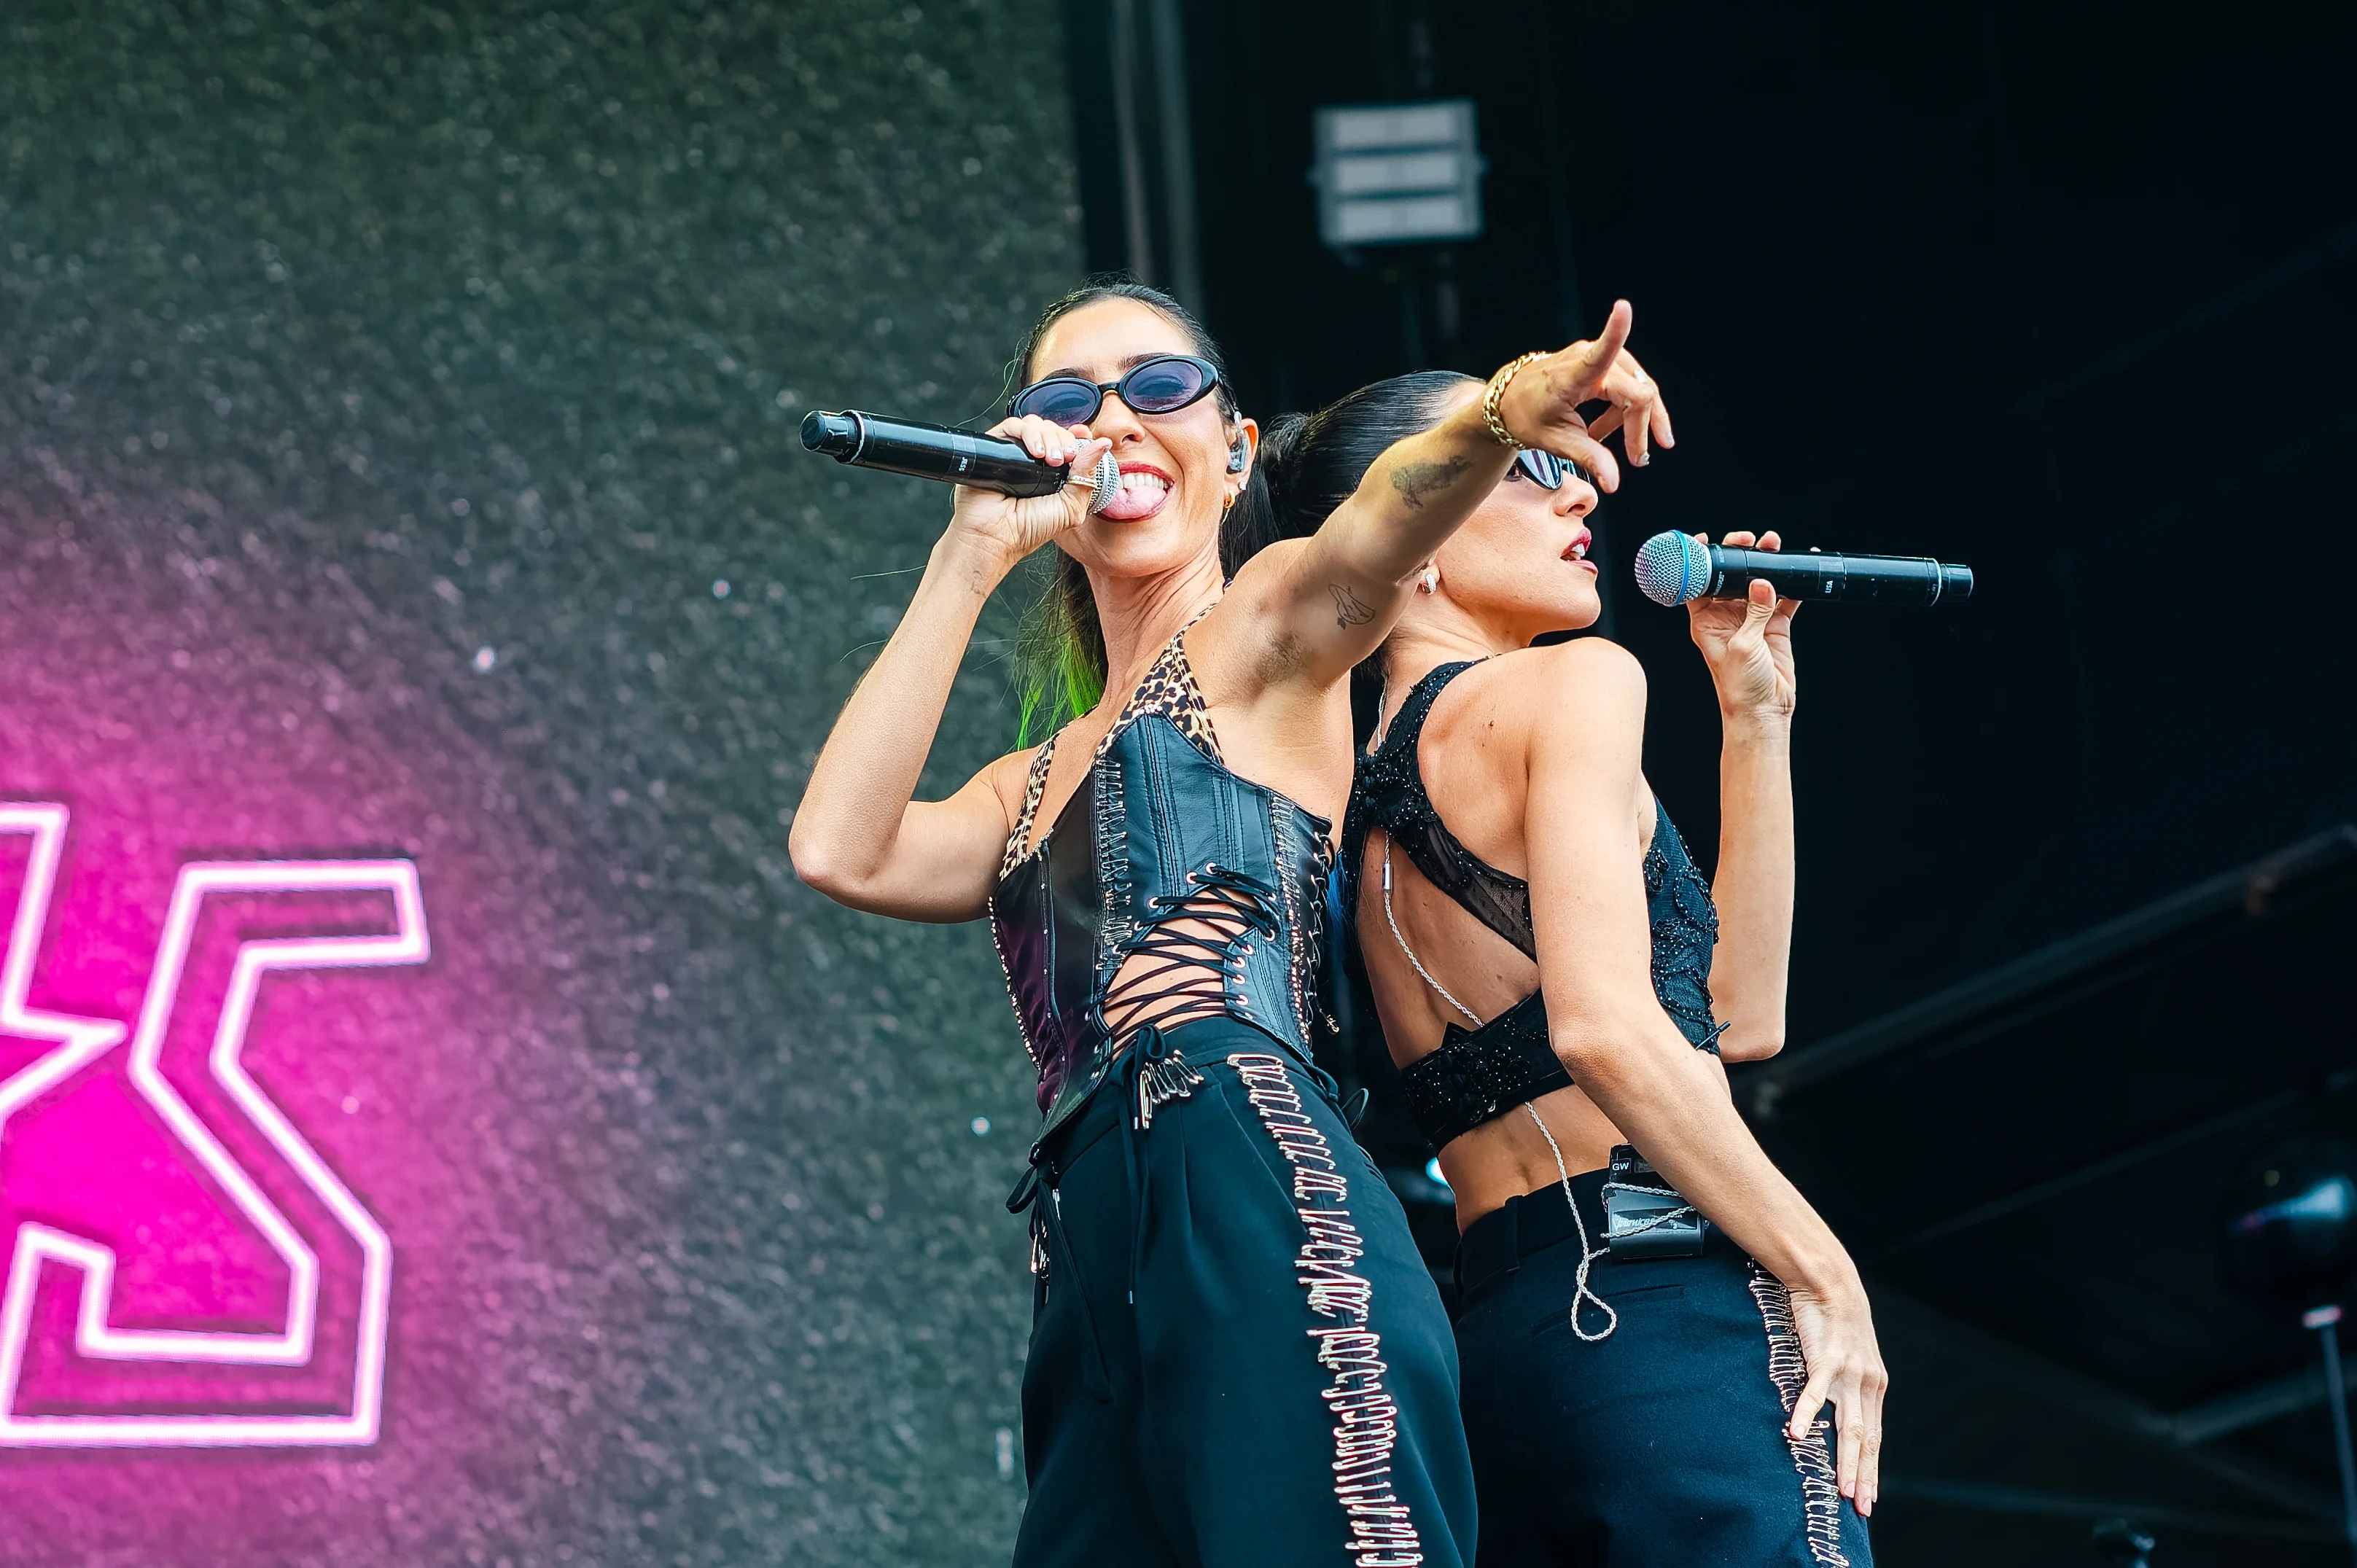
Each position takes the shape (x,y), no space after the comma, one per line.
(1499,1242)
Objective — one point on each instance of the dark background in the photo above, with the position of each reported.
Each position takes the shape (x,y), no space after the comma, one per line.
(2065,292)
(2054,291)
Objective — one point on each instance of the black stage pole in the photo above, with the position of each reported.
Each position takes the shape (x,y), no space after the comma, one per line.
(2326,1321)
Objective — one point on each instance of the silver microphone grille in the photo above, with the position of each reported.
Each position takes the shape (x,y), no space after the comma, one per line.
(1107,476)
(1672,569)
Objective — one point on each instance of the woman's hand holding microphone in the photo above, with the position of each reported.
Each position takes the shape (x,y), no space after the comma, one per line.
(1748,643)
(1008,528)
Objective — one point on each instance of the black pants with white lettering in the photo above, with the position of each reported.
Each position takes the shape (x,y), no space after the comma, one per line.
(1661,1444)
(1238,1359)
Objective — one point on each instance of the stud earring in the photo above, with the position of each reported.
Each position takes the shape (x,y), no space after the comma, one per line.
(1430,583)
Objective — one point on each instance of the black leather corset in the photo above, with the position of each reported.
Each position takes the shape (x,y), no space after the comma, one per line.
(1158,832)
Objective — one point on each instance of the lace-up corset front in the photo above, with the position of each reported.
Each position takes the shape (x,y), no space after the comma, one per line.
(1214,884)
(1486,1072)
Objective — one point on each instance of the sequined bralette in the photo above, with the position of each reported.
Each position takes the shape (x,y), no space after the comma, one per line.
(1479,1074)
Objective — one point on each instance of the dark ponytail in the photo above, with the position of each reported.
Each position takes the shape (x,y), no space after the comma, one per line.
(1060,654)
(1312,464)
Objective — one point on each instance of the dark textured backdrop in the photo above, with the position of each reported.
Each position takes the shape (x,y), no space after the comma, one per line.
(397,411)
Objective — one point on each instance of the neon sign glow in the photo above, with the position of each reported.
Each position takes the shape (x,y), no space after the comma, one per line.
(80,1042)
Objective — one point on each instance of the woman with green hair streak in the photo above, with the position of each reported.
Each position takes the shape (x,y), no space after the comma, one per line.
(1237,1356)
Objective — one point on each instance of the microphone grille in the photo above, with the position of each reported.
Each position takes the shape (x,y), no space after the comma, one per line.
(1672,568)
(1107,476)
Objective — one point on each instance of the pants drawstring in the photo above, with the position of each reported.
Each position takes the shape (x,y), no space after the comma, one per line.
(1149,1074)
(1037,1191)
(1152,1073)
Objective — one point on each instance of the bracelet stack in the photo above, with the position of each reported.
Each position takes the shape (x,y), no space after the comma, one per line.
(1497,391)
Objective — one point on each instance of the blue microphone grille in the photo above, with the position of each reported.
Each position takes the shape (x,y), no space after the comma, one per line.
(1673,568)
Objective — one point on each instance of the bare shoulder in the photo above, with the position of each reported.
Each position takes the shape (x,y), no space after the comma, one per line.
(1008,778)
(1582,701)
(1590,661)
(1569,685)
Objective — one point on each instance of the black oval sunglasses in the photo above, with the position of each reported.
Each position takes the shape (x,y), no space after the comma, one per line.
(1544,469)
(1164,385)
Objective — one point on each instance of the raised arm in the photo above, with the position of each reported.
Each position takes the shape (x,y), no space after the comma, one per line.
(860,836)
(1587,911)
(1748,647)
(1332,601)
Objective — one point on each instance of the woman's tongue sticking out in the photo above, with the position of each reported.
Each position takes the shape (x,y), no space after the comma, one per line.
(1144,490)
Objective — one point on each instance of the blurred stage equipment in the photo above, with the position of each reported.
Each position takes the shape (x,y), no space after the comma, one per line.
(1397,174)
(952,456)
(2120,1544)
(2291,1243)
(1674,568)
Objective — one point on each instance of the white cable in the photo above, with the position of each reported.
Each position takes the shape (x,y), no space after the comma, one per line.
(1586,1258)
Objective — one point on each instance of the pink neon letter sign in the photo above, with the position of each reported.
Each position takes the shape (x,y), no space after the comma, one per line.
(82,1041)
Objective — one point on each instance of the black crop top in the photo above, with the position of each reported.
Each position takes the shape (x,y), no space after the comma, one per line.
(1161,851)
(1482,1074)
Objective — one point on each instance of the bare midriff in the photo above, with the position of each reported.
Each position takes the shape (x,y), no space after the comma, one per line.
(1178,973)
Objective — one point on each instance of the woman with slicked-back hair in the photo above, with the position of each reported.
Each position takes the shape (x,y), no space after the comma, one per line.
(1237,1357)
(1651,1319)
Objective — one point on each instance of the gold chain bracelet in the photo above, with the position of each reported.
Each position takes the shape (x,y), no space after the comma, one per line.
(1490,398)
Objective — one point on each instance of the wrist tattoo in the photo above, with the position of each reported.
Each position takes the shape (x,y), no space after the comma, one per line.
(1416,481)
(1349,610)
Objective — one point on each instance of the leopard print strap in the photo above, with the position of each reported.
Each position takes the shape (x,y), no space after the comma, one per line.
(1169,690)
(1033,784)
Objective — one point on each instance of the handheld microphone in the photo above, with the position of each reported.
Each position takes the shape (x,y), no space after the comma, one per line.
(954,457)
(1675,568)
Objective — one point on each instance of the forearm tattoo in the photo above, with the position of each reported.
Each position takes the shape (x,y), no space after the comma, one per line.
(1349,610)
(1416,481)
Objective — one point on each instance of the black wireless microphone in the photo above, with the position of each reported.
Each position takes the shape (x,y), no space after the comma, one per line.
(952,456)
(1675,568)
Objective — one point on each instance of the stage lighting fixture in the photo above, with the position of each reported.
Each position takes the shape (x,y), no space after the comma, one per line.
(1397,174)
